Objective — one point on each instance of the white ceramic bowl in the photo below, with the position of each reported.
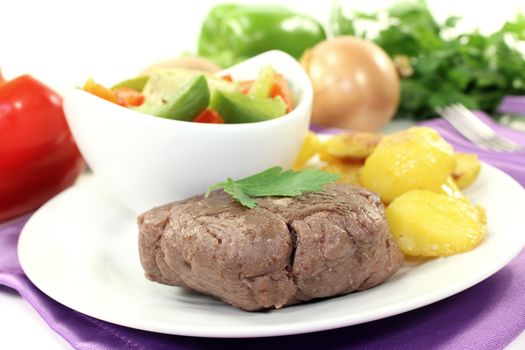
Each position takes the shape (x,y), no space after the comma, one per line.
(146,161)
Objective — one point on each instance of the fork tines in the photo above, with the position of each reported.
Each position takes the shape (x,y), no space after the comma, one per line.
(470,126)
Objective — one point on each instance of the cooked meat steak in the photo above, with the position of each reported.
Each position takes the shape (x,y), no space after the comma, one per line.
(284,251)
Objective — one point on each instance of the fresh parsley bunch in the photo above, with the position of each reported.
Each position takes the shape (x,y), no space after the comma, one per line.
(469,68)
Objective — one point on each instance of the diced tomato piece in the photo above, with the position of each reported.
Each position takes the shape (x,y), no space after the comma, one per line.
(127,96)
(209,116)
(281,88)
(227,77)
(2,80)
(101,91)
(244,86)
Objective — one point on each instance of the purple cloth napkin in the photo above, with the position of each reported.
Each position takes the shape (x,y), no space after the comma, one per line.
(489,315)
(512,105)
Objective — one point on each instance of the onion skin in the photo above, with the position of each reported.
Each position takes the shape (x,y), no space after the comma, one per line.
(356,84)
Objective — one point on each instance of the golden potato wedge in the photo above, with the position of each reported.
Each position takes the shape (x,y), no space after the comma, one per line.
(355,146)
(467,169)
(310,148)
(348,171)
(429,224)
(417,158)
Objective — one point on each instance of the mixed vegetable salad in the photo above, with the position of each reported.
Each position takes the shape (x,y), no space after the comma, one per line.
(196,96)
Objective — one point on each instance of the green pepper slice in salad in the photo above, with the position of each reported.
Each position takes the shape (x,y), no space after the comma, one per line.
(190,95)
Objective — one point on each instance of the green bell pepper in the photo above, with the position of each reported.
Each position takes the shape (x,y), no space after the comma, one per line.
(232,33)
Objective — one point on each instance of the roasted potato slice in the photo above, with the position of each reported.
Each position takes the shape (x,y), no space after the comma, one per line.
(348,170)
(355,146)
(467,169)
(429,224)
(417,158)
(309,149)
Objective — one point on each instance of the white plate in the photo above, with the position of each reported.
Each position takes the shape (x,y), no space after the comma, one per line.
(81,250)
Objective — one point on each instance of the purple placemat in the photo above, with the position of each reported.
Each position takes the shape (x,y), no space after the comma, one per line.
(489,315)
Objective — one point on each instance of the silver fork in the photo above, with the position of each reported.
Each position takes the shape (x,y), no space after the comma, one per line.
(467,124)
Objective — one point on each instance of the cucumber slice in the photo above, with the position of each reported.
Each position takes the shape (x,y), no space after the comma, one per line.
(235,107)
(137,83)
(164,81)
(263,84)
(187,99)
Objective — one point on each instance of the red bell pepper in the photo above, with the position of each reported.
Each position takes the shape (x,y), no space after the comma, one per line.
(38,157)
(129,97)
(209,116)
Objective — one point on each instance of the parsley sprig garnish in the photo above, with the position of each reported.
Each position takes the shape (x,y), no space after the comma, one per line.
(275,182)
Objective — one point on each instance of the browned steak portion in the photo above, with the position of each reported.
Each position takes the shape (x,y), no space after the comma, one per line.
(285,251)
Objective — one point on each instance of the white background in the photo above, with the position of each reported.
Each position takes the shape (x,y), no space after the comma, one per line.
(63,43)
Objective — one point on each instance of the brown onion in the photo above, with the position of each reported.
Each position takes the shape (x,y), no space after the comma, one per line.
(356,85)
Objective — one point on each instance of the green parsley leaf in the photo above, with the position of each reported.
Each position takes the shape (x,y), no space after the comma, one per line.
(275,182)
(234,190)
